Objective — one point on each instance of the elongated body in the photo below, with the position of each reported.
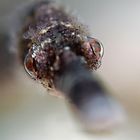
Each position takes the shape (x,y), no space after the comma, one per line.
(56,50)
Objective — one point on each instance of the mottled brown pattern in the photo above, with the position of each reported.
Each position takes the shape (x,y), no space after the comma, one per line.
(49,31)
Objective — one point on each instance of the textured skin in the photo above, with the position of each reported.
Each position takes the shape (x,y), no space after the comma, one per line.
(48,31)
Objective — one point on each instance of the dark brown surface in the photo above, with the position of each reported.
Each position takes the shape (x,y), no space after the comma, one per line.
(48,30)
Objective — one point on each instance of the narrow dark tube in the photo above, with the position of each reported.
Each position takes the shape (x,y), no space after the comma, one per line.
(86,94)
(78,83)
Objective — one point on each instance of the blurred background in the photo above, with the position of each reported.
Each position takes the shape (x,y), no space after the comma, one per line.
(27,112)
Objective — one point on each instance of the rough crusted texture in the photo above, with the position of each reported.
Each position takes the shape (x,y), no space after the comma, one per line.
(49,31)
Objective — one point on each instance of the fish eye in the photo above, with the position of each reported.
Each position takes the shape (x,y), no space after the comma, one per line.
(97,46)
(28,66)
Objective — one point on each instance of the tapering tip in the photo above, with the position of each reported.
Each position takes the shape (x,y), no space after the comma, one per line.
(102,113)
